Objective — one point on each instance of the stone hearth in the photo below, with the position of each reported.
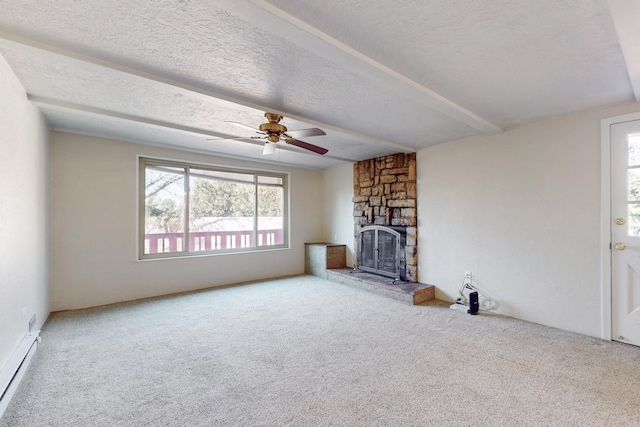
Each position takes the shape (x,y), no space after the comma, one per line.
(327,260)
(409,292)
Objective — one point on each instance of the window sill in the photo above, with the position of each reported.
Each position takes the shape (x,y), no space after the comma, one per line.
(210,254)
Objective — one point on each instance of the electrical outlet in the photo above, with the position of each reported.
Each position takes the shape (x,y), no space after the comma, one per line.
(468,274)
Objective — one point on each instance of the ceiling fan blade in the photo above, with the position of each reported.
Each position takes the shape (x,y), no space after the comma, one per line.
(238,138)
(269,148)
(242,125)
(306,146)
(302,133)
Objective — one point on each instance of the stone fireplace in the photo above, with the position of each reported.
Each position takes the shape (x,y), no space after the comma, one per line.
(384,201)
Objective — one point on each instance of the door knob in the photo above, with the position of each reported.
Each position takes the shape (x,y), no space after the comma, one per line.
(620,246)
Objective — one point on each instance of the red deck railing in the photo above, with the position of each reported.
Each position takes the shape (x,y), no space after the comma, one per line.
(210,240)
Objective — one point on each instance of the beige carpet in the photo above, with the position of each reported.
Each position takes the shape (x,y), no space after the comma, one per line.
(307,352)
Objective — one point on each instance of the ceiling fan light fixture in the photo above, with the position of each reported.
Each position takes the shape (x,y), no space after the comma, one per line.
(269,148)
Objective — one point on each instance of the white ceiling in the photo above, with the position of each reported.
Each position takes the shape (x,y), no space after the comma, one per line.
(378,76)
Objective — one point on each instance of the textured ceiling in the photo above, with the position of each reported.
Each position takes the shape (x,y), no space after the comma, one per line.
(379,77)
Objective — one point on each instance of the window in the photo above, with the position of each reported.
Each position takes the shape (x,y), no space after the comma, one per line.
(633,183)
(189,209)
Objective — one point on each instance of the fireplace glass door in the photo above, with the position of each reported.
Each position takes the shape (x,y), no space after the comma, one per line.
(387,252)
(368,249)
(380,250)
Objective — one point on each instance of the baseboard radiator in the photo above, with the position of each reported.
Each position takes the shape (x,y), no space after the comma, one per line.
(14,370)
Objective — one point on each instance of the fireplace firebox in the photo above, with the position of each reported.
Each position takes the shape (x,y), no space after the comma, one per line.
(381,250)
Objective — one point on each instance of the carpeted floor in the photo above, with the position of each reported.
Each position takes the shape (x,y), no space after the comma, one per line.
(303,351)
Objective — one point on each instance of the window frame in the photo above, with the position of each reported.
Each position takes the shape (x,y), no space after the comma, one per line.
(144,162)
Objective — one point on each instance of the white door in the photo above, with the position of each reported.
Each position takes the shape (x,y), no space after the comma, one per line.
(625,232)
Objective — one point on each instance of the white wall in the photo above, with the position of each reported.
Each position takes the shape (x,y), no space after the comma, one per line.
(23,214)
(94,220)
(521,210)
(338,207)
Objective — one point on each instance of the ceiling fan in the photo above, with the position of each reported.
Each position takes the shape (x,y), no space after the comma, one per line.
(273,132)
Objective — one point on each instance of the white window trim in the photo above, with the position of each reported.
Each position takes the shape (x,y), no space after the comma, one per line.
(145,160)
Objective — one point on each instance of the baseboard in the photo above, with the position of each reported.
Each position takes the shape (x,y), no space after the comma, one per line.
(14,370)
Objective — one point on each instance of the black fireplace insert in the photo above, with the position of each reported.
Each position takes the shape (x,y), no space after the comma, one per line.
(381,250)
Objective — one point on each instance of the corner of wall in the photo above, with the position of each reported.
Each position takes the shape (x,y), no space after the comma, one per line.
(338,207)
(24,193)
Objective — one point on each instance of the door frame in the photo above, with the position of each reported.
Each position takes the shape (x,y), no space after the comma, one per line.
(605,225)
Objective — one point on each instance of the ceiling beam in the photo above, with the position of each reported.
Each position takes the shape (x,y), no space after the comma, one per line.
(310,38)
(188,89)
(54,104)
(69,106)
(626,18)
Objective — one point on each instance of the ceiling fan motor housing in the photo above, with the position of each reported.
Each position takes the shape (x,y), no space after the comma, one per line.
(273,129)
(273,136)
